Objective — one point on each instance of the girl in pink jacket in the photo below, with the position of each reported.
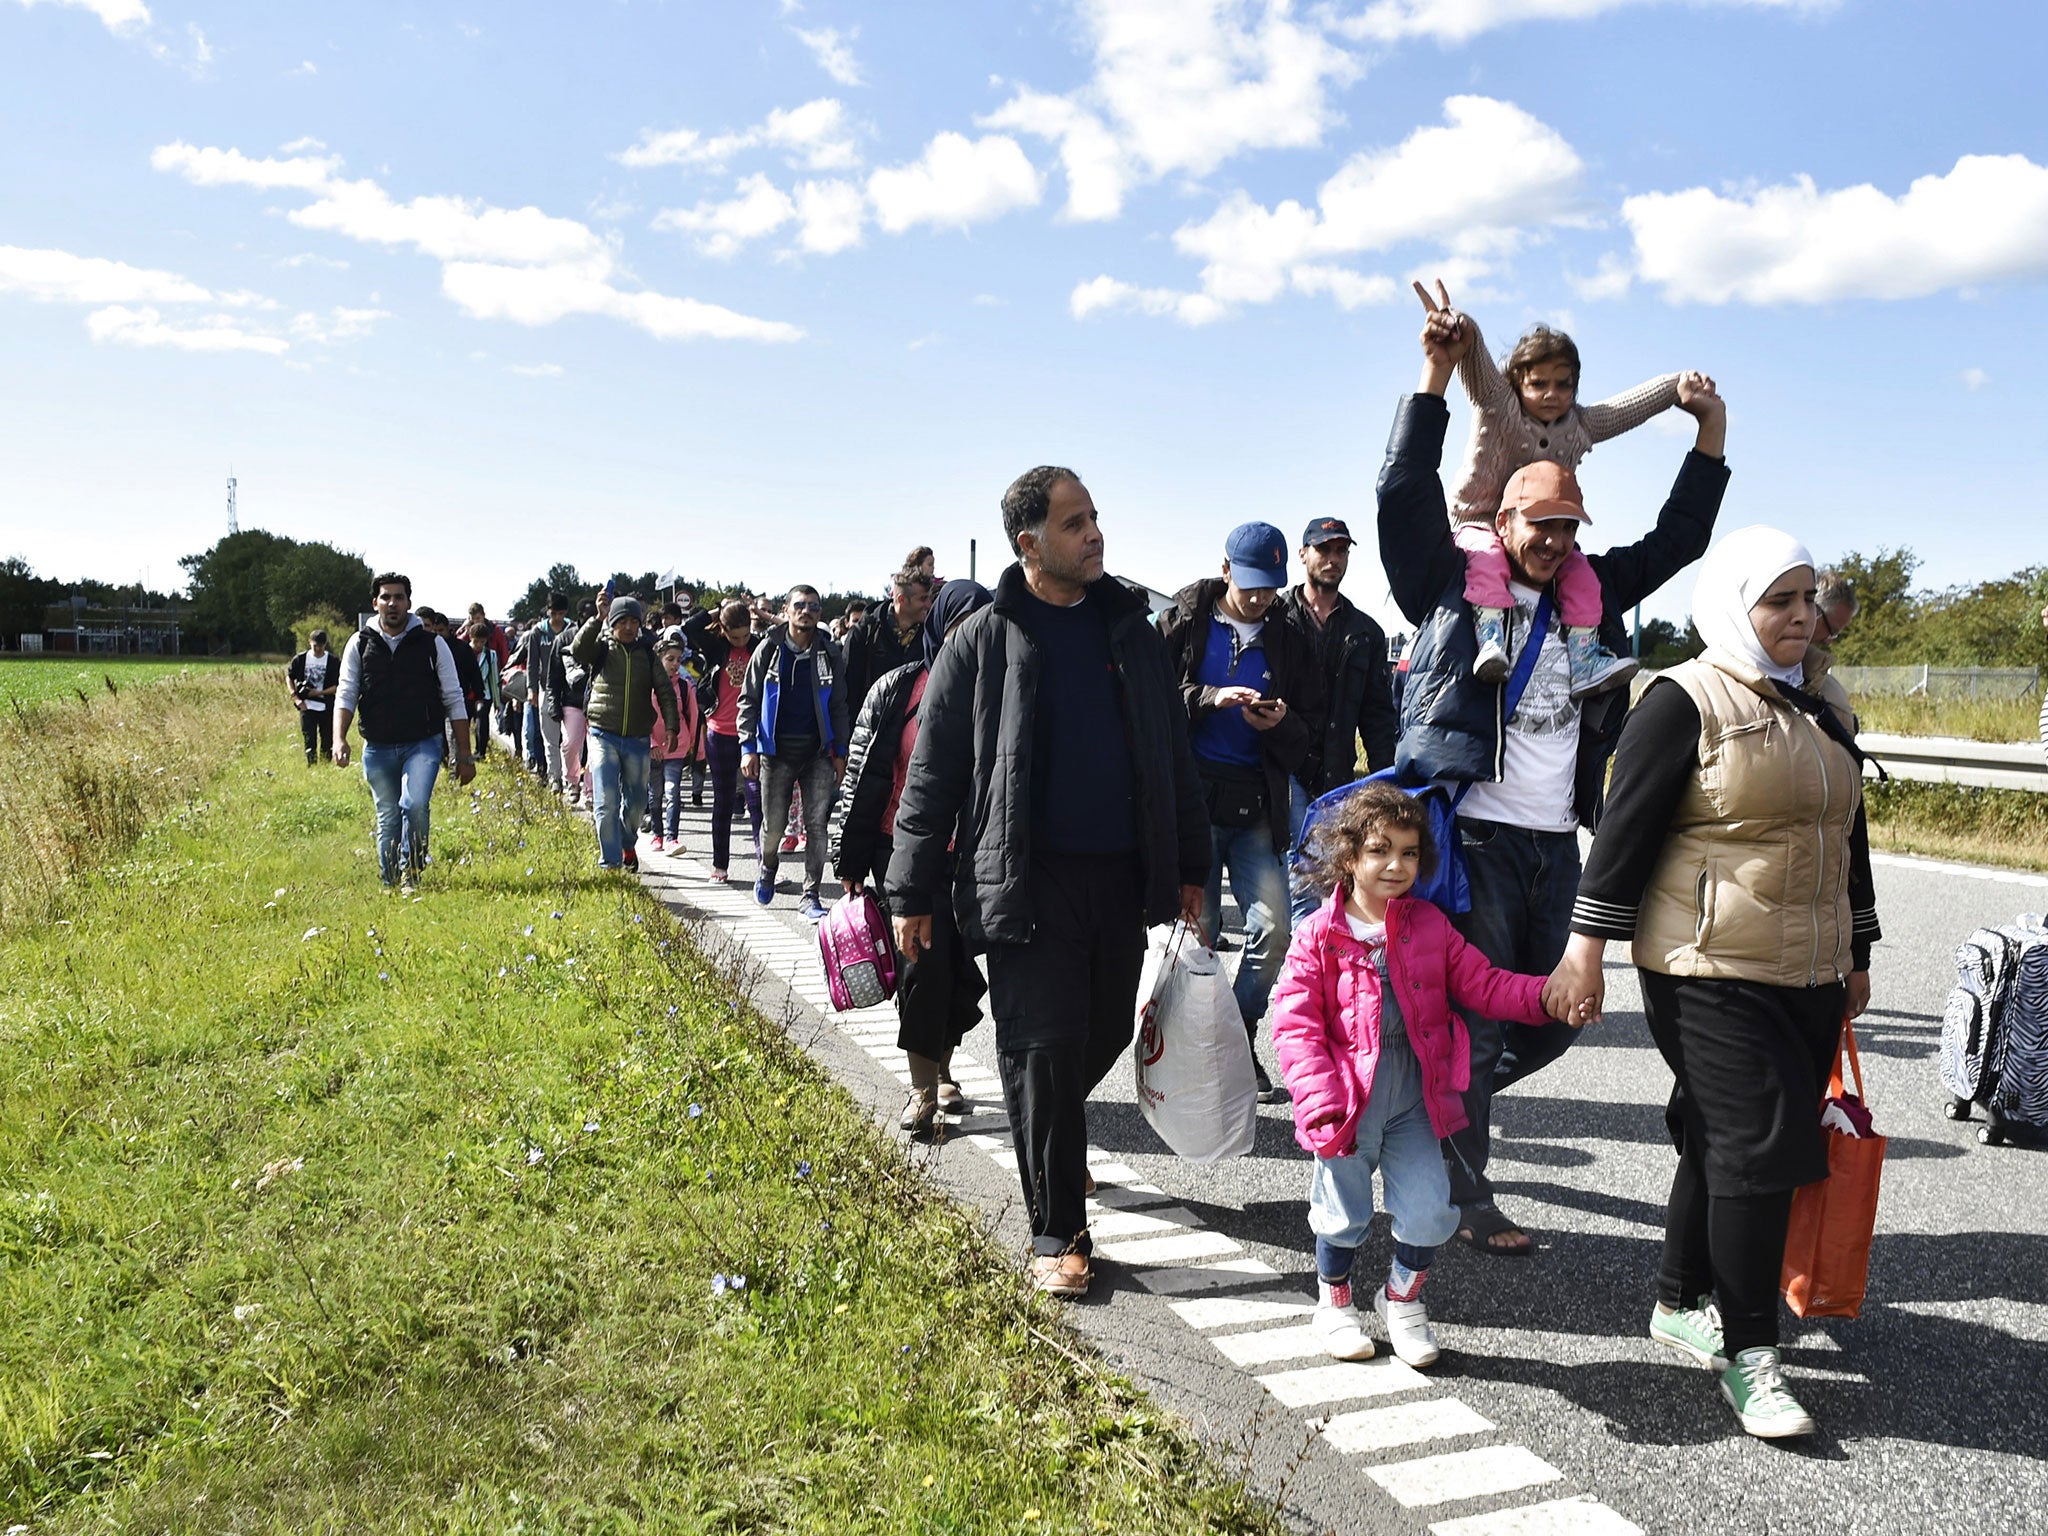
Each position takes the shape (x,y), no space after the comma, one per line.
(1375,1059)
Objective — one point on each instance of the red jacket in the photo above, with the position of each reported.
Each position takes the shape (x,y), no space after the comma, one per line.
(1326,1017)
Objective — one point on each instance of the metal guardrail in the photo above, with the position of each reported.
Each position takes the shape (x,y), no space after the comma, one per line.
(1948,760)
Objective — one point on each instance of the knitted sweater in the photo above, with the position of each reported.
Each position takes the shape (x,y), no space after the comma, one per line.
(1505,437)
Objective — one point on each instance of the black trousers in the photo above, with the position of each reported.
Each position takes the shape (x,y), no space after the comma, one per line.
(316,727)
(1749,1063)
(938,995)
(1065,1007)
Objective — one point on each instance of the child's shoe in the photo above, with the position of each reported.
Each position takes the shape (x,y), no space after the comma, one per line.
(1492,663)
(657,842)
(1595,669)
(1407,1329)
(1757,1393)
(1339,1324)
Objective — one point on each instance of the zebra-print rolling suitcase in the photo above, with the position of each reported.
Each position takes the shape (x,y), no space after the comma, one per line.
(1994,1032)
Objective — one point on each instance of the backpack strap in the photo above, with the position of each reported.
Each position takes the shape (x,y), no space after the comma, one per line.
(1518,680)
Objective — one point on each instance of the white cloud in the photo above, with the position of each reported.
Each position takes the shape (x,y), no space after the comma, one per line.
(721,229)
(304,67)
(308,259)
(202,51)
(535,370)
(115,15)
(300,146)
(1179,87)
(517,264)
(58,277)
(1458,21)
(1472,185)
(147,328)
(833,50)
(956,182)
(1975,379)
(341,324)
(832,213)
(815,136)
(1107,295)
(1985,221)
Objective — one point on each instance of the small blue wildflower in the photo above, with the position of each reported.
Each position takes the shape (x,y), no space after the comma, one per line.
(696,1110)
(556,916)
(636,917)
(501,970)
(535,1155)
(529,959)
(671,1010)
(589,1127)
(803,1168)
(739,1282)
(383,975)
(718,1285)
(527,930)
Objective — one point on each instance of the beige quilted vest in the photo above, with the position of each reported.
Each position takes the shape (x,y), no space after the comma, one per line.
(1753,884)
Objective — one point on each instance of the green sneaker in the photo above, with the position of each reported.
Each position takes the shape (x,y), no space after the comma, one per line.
(1757,1393)
(1694,1331)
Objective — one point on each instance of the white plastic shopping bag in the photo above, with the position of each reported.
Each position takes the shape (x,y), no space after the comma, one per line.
(1195,1077)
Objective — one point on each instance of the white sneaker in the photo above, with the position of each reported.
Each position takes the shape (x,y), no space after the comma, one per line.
(1339,1324)
(1407,1329)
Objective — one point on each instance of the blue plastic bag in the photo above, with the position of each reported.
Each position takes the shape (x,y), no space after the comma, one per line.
(1446,884)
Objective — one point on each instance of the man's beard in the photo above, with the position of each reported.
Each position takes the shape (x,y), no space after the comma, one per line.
(1322,585)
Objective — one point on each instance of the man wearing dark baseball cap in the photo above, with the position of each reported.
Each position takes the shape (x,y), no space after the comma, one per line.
(1255,720)
(1350,650)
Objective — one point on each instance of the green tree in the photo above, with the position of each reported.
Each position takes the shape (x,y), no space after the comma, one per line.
(534,601)
(1887,614)
(339,627)
(315,578)
(230,588)
(1663,644)
(23,596)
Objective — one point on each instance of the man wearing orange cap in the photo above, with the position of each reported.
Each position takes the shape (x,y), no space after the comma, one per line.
(1535,767)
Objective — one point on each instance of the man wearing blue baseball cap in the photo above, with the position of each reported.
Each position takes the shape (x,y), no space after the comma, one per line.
(1361,724)
(1255,717)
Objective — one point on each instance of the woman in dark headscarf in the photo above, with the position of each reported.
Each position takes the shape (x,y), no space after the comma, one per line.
(938,996)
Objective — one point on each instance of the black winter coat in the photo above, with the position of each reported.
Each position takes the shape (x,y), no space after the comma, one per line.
(1358,692)
(871,774)
(1451,725)
(971,772)
(872,651)
(1295,745)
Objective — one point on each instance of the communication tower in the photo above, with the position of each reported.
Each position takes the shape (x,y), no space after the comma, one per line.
(233,526)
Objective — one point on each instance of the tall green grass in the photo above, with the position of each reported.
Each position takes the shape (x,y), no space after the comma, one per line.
(1968,719)
(82,773)
(1957,821)
(494,1211)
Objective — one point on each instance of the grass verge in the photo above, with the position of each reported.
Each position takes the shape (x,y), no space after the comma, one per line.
(82,773)
(1968,719)
(323,1211)
(1953,821)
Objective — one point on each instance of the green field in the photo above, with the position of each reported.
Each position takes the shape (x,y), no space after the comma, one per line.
(498,1210)
(65,677)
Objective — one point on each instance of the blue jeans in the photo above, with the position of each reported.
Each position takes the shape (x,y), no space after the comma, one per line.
(401,777)
(618,792)
(536,749)
(1394,1136)
(1260,886)
(1523,886)
(665,796)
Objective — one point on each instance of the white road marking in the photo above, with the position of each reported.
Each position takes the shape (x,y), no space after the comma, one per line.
(1314,1384)
(1204,1277)
(1123,1224)
(1967,871)
(1413,1423)
(1455,1475)
(1581,1516)
(1234,1311)
(1269,1346)
(1168,1250)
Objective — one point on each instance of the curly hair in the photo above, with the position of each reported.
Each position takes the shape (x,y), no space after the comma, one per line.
(1540,344)
(1028,501)
(1340,835)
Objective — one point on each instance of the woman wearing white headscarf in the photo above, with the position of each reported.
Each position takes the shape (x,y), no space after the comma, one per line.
(1732,856)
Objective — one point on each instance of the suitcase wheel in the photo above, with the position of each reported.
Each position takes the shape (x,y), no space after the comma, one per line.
(1957,1109)
(1990,1136)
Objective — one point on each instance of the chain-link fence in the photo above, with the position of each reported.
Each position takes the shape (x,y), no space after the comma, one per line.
(1947,683)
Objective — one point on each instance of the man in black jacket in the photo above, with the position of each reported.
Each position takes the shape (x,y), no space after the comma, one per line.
(1358,687)
(314,674)
(889,635)
(1254,700)
(1052,759)
(1535,777)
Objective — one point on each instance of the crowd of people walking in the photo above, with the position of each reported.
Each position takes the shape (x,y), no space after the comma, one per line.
(1031,776)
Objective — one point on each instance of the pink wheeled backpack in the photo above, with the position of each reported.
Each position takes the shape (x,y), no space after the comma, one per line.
(859,955)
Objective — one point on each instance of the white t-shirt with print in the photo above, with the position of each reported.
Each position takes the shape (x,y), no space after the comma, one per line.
(1542,756)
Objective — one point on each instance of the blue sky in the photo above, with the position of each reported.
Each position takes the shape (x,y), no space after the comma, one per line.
(776,291)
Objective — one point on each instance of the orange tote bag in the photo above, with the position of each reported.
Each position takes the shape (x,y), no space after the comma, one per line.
(1827,1248)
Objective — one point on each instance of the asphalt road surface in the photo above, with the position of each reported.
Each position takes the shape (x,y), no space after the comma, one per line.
(1550,1411)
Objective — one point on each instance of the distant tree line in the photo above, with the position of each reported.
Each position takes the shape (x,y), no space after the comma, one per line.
(1995,623)
(533,602)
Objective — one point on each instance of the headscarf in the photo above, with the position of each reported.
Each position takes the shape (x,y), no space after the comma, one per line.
(1736,572)
(950,604)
